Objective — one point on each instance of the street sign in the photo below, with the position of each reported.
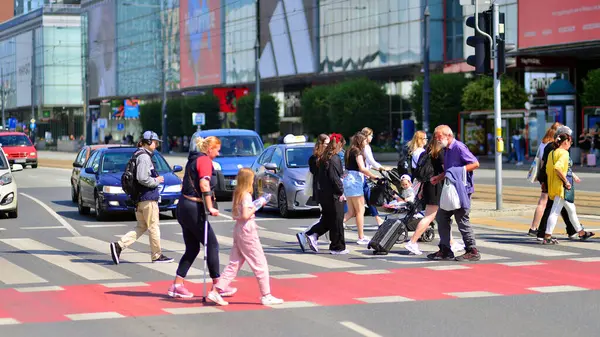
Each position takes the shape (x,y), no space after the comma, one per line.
(12,123)
(102,122)
(120,126)
(198,118)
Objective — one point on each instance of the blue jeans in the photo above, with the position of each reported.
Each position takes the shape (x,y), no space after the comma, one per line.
(367,192)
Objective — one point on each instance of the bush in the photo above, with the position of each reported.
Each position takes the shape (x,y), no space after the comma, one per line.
(444,100)
(315,109)
(591,89)
(479,94)
(355,104)
(208,104)
(269,113)
(150,116)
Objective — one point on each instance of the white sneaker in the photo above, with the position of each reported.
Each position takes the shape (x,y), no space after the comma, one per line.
(312,242)
(457,246)
(339,252)
(270,300)
(364,241)
(413,248)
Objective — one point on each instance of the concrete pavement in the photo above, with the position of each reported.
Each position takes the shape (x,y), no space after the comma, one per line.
(61,282)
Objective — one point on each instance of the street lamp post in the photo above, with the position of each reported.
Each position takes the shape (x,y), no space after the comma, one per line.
(426,88)
(257,71)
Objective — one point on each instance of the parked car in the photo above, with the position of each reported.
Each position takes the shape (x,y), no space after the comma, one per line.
(281,171)
(239,148)
(8,187)
(18,148)
(99,185)
(80,159)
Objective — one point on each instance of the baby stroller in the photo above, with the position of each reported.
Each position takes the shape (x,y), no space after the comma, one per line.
(411,214)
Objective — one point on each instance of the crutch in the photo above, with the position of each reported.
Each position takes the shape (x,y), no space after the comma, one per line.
(206,214)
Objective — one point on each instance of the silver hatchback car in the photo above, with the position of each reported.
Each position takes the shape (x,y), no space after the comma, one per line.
(281,171)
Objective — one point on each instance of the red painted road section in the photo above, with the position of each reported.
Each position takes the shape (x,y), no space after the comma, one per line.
(327,289)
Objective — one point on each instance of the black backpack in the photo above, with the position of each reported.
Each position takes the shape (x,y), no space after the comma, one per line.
(405,161)
(129,181)
(424,170)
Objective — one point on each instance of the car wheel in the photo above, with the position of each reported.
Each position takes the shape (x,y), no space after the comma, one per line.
(14,214)
(74,196)
(174,214)
(34,166)
(282,203)
(100,213)
(80,208)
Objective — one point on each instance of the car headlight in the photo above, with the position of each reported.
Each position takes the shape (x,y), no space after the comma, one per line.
(32,154)
(6,179)
(299,183)
(113,190)
(172,189)
(216,166)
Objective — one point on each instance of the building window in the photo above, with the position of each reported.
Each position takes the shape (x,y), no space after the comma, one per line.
(454,30)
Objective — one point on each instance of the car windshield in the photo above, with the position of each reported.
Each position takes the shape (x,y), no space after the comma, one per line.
(240,146)
(15,140)
(3,163)
(298,156)
(115,162)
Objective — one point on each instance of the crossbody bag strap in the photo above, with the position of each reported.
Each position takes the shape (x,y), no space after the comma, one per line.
(189,174)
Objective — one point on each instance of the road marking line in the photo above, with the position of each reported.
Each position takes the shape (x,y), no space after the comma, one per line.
(71,263)
(522,249)
(105,225)
(294,304)
(8,321)
(39,289)
(557,289)
(94,316)
(473,294)
(2,229)
(225,216)
(384,299)
(14,274)
(59,218)
(369,271)
(44,227)
(359,329)
(124,284)
(223,257)
(192,310)
(293,276)
(581,245)
(587,259)
(449,267)
(128,255)
(522,263)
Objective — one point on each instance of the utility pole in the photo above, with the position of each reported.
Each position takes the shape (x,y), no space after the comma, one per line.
(165,136)
(86,95)
(426,88)
(34,89)
(497,103)
(4,93)
(257,71)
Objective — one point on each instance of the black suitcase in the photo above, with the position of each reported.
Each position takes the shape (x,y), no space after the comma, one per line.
(386,236)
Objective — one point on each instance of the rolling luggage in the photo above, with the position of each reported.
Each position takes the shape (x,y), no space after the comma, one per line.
(386,236)
(591,160)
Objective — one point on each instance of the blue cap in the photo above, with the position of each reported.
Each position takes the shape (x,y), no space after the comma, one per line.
(149,135)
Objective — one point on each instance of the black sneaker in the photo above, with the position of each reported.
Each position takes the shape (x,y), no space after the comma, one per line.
(586,235)
(532,232)
(472,254)
(441,255)
(163,259)
(115,252)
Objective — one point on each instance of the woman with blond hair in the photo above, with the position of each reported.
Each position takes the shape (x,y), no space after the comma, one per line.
(416,147)
(370,162)
(196,200)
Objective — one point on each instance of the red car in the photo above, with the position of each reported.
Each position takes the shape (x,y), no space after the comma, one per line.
(19,149)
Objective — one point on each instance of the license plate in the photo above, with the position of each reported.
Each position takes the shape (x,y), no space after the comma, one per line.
(20,161)
(233,183)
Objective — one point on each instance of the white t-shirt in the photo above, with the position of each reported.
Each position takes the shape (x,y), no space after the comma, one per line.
(416,155)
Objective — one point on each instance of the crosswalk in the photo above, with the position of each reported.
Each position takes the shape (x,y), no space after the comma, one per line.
(44,262)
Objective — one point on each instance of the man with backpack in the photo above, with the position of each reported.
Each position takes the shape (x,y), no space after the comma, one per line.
(142,183)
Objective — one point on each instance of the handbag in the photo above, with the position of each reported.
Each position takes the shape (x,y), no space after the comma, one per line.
(570,194)
(532,175)
(449,199)
(308,183)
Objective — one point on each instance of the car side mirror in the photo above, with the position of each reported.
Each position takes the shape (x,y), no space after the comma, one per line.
(89,170)
(76,164)
(17,167)
(271,167)
(177,168)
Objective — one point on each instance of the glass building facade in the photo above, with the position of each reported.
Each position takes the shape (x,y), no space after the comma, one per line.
(239,40)
(8,78)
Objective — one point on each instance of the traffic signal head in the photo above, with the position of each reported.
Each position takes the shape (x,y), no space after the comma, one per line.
(481,61)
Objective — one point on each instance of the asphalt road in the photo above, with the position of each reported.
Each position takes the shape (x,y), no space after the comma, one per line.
(56,278)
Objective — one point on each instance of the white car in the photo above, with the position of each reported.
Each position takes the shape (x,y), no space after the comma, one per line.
(8,187)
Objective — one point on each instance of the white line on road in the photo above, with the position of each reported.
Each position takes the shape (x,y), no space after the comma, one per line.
(8,321)
(94,316)
(2,229)
(13,274)
(361,330)
(44,227)
(54,214)
(226,216)
(105,225)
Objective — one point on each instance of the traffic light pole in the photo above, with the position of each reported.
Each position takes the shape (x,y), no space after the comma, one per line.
(497,104)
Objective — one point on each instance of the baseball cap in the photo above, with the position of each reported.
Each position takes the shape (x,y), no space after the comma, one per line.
(405,177)
(563,130)
(150,135)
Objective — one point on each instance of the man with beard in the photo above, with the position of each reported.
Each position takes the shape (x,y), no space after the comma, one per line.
(457,158)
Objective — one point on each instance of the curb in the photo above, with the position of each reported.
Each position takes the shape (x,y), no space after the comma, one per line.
(492,213)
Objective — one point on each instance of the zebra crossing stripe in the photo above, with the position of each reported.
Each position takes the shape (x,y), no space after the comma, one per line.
(13,274)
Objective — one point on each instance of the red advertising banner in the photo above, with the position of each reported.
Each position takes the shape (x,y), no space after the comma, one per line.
(228,98)
(200,37)
(550,22)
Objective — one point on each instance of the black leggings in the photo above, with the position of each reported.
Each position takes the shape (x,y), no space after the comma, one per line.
(191,217)
(332,220)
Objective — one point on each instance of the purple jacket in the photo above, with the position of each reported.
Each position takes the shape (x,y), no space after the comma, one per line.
(456,176)
(457,154)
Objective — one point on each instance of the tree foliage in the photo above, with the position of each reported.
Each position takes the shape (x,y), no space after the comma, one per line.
(479,94)
(269,113)
(591,89)
(315,109)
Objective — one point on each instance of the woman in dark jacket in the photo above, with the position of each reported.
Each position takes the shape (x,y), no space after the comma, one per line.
(330,194)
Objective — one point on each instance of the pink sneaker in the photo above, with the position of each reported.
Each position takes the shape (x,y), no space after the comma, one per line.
(227,292)
(179,291)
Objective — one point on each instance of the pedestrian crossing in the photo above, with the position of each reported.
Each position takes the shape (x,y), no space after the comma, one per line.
(47,261)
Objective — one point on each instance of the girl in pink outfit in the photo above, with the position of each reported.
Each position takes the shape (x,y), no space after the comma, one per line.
(246,243)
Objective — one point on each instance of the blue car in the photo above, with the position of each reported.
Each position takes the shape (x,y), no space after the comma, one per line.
(99,183)
(239,148)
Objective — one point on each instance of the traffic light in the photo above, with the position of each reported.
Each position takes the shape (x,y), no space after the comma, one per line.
(502,47)
(482,58)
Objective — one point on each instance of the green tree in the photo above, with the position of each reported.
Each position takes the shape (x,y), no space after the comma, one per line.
(269,113)
(444,99)
(208,104)
(479,94)
(591,89)
(150,116)
(315,109)
(355,104)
